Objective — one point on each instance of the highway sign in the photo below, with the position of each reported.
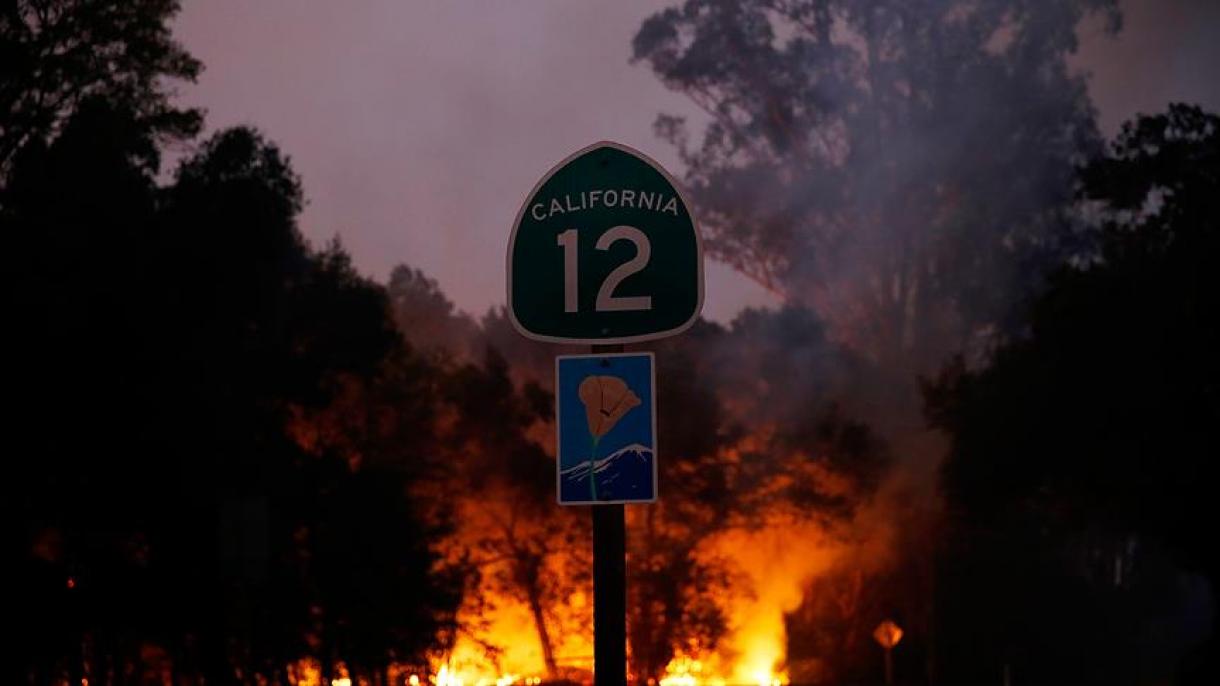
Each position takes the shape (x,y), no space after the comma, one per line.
(604,250)
(606,422)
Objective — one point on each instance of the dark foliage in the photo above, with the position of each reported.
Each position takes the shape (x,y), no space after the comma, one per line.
(57,54)
(1083,461)
(163,343)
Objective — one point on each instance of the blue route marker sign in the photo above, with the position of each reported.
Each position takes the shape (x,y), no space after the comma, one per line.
(606,420)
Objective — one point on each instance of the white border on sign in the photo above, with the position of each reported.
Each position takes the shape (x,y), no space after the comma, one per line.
(690,210)
(656,481)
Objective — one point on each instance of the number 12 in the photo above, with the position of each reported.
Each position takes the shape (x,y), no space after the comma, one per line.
(606,300)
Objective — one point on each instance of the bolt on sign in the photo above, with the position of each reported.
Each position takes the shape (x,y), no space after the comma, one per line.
(604,250)
(606,424)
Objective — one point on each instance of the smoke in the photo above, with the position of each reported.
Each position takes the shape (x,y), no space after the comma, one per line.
(905,169)
(903,174)
(770,480)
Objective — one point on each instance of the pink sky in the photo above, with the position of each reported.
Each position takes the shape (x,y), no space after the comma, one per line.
(419,126)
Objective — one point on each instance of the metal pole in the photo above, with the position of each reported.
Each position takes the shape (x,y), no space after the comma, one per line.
(609,586)
(889,666)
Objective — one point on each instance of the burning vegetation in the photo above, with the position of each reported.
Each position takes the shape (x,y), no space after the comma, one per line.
(750,515)
(235,460)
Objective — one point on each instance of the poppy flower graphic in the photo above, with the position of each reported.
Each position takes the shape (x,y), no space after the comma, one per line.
(606,400)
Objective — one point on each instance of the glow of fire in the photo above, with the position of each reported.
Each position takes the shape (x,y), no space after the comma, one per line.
(779,559)
(755,650)
(754,653)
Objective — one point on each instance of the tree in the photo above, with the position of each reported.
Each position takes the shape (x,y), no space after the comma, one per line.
(224,437)
(899,166)
(500,482)
(60,491)
(1092,434)
(168,343)
(428,320)
(57,54)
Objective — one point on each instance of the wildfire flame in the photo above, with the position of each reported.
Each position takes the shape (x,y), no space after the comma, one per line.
(783,555)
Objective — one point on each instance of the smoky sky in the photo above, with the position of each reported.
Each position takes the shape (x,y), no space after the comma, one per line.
(419,127)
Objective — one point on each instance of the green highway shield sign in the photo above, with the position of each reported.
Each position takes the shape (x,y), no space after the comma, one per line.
(604,250)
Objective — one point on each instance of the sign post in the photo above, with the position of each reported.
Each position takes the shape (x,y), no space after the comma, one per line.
(605,252)
(609,583)
(888,634)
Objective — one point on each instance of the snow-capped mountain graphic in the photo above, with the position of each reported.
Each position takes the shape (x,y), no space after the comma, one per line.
(620,475)
(580,470)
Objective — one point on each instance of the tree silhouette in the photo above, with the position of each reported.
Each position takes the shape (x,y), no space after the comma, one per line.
(898,166)
(57,54)
(429,320)
(169,342)
(502,481)
(1087,442)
